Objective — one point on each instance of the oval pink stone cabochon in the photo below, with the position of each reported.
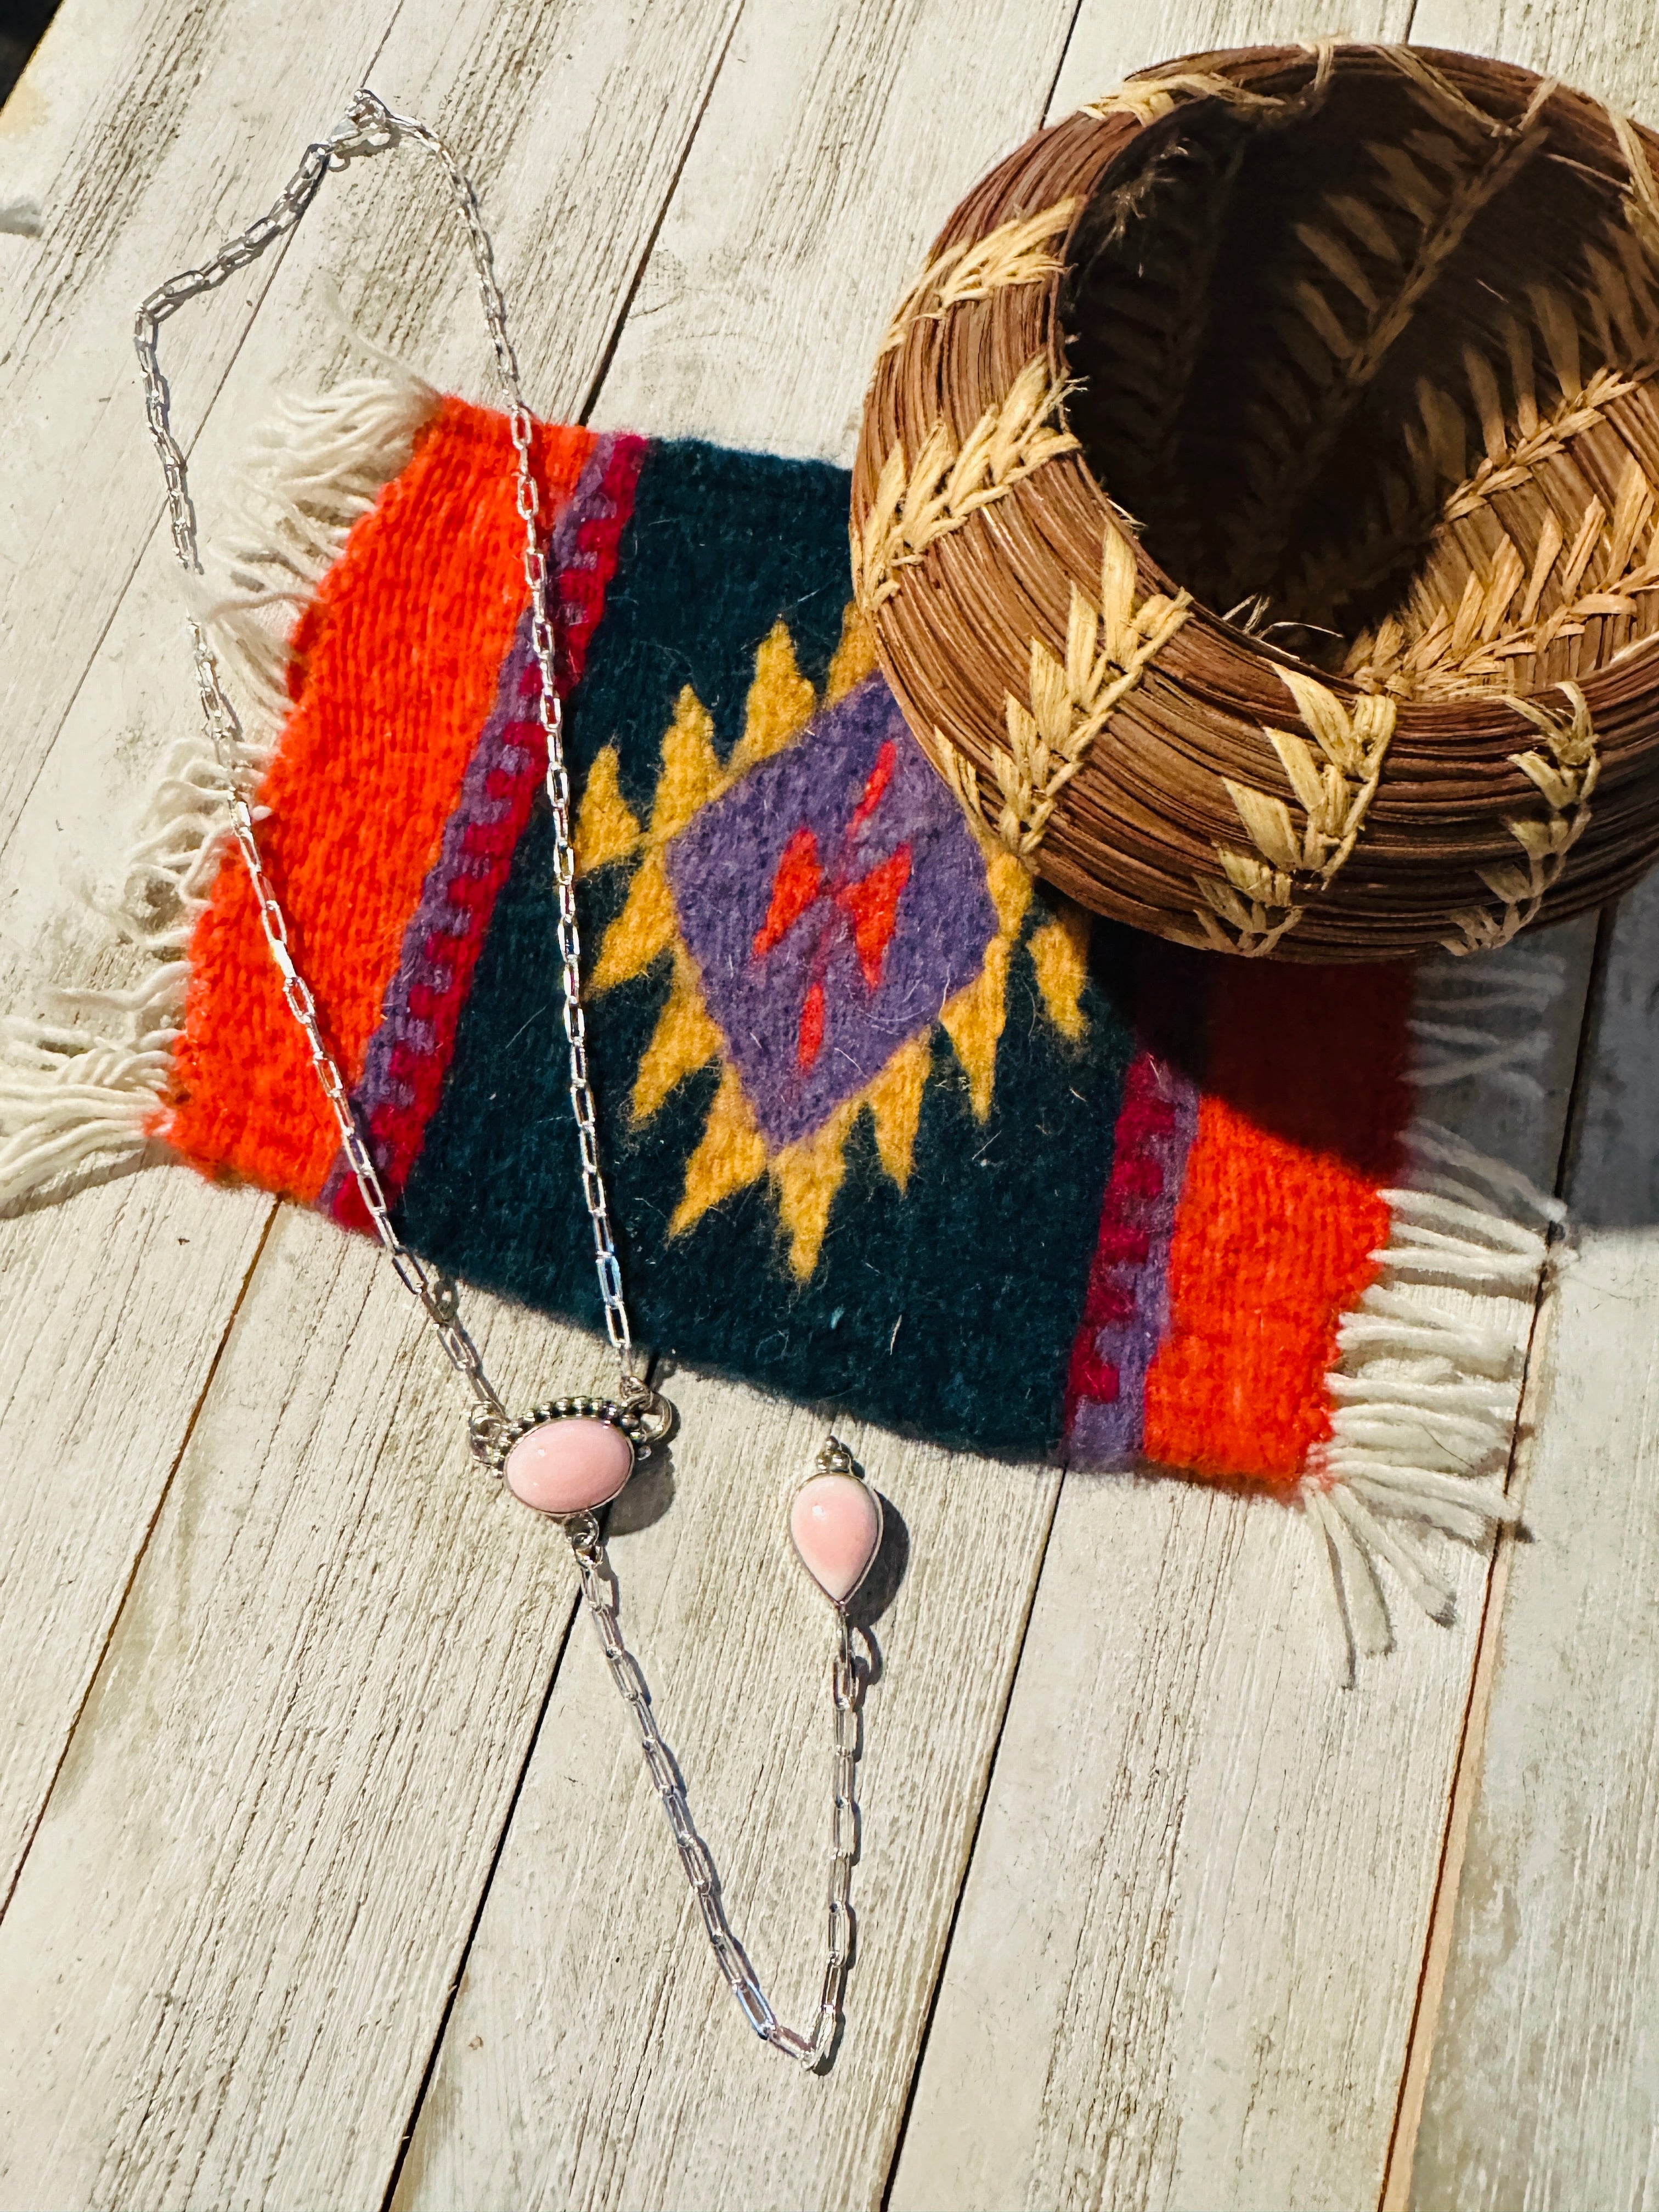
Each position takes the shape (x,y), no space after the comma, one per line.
(568,1466)
(835,1524)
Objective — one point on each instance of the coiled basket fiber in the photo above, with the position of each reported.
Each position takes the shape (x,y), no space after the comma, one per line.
(1256,502)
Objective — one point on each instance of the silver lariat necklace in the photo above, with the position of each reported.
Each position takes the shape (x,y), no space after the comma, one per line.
(570,1457)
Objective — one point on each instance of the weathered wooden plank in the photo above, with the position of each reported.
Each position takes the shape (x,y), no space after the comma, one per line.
(838,141)
(83,47)
(555,107)
(1110,42)
(110,1331)
(592,2055)
(1185,1963)
(115,1308)
(1487,2074)
(1543,2084)
(231,1943)
(158,162)
(1606,50)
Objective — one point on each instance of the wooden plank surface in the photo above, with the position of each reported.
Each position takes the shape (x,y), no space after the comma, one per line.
(1609,50)
(82,50)
(162,157)
(311,1694)
(229,1950)
(104,1389)
(115,1311)
(1533,2083)
(840,136)
(1543,2087)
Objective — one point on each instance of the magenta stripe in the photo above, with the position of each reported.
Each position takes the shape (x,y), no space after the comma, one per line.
(1126,1314)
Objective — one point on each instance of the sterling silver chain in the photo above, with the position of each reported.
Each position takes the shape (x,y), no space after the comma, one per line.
(600,1591)
(372,127)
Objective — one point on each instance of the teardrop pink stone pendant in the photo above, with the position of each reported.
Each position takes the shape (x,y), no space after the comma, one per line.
(835,1524)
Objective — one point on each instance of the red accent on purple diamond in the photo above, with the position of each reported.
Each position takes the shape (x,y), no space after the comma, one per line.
(833,900)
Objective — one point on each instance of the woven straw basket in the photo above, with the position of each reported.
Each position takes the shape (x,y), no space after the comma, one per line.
(1256,502)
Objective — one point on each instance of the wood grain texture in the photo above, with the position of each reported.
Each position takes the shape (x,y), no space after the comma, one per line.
(117,1303)
(109,1334)
(1185,1968)
(1115,37)
(1186,1955)
(1543,2087)
(840,136)
(1606,50)
(115,1308)
(1558,2122)
(205,116)
(83,48)
(594,2057)
(229,1949)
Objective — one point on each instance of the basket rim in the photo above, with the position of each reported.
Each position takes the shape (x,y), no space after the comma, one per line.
(1262,66)
(992,583)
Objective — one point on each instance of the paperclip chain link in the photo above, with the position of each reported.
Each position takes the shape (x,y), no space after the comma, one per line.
(372,127)
(599,1594)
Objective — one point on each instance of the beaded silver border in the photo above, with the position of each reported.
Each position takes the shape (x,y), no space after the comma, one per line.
(493,1449)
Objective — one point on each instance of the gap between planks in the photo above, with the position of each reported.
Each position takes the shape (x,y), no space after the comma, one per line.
(638,274)
(125,2157)
(26,1842)
(1437,1950)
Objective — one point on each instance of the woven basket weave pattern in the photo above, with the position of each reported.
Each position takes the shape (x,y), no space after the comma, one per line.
(1256,502)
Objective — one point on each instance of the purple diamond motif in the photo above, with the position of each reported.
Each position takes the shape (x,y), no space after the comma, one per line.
(833,900)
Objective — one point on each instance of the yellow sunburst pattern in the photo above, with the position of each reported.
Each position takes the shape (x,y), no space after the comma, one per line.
(733,1150)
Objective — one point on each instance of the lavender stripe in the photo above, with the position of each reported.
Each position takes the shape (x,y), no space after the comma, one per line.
(496,752)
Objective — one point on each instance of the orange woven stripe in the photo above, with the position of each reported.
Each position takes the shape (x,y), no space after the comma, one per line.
(395,672)
(1304,1102)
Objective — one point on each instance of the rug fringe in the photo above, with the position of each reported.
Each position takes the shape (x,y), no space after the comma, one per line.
(96,1085)
(1424,1400)
(314,467)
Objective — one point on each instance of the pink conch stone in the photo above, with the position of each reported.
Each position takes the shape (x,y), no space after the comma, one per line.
(568,1466)
(836,1526)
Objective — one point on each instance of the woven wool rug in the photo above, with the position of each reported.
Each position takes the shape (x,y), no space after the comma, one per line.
(886,1125)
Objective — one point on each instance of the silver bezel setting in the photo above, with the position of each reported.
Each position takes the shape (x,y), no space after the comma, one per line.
(631,1424)
(835,1459)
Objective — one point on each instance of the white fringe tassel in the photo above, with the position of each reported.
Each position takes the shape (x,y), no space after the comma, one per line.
(1426,1399)
(72,1090)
